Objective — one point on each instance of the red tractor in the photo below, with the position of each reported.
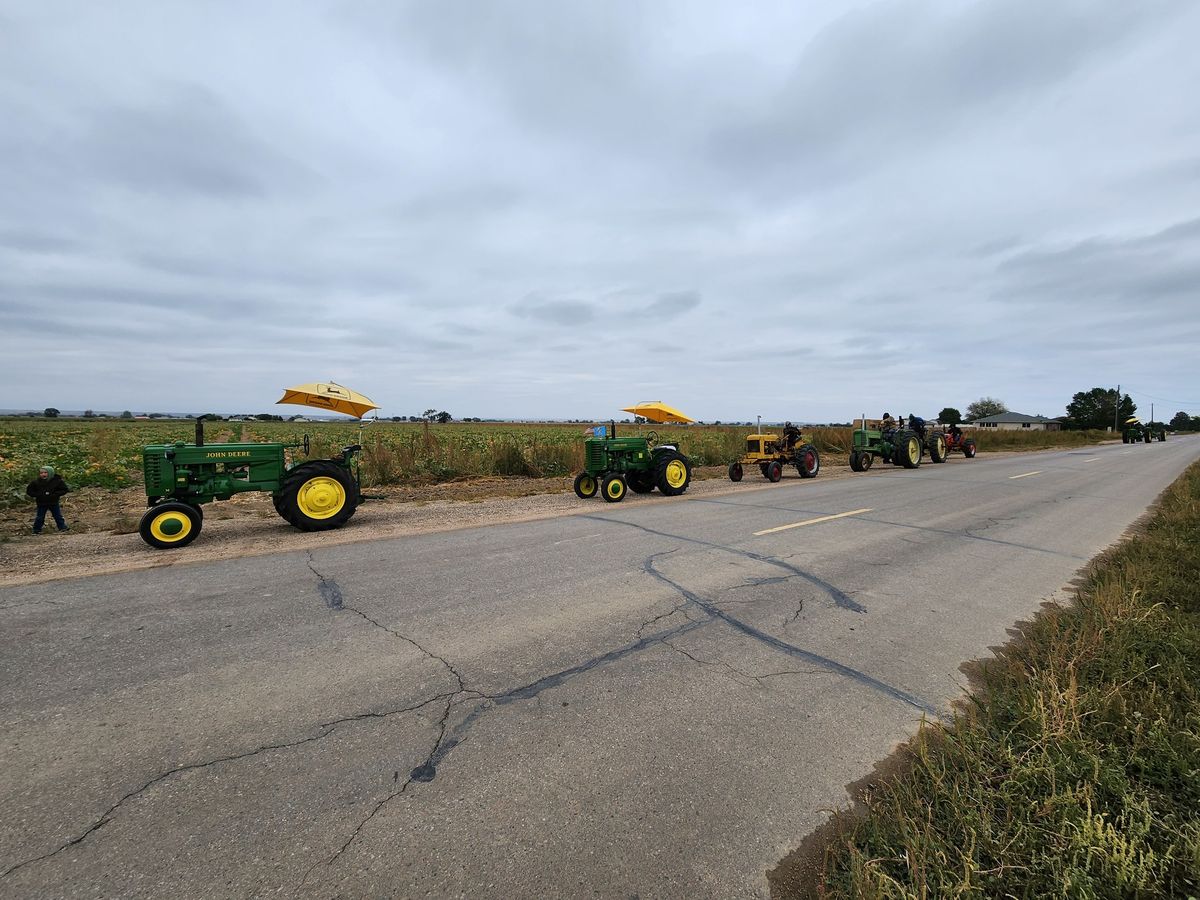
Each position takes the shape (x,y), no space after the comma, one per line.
(956,440)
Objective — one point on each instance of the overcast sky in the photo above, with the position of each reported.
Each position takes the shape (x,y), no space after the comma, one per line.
(549,209)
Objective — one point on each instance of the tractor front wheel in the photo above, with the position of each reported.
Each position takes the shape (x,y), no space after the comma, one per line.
(808,461)
(969,449)
(774,471)
(585,486)
(672,473)
(735,471)
(317,496)
(171,524)
(856,461)
(613,488)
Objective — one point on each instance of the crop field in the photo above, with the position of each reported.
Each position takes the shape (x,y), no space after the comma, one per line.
(106,453)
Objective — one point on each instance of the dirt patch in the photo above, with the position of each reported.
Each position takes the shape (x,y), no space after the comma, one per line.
(103,538)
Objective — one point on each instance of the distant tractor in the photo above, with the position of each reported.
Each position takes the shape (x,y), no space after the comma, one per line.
(640,463)
(1135,432)
(898,446)
(956,441)
(314,495)
(771,452)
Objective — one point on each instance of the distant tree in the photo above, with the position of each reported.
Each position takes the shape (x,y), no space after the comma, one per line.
(50,412)
(89,414)
(1181,421)
(443,417)
(156,415)
(950,416)
(1097,409)
(213,417)
(985,406)
(126,415)
(429,415)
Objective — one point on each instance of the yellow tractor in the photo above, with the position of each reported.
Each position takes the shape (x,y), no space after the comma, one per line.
(771,452)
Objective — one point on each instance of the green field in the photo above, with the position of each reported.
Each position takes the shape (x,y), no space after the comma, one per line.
(106,453)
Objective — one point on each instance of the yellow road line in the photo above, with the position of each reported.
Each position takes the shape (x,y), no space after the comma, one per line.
(853,512)
(1026,475)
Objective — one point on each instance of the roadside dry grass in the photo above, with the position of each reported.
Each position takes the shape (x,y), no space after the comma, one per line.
(1073,770)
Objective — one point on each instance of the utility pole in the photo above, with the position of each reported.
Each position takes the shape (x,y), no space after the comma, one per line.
(1117,411)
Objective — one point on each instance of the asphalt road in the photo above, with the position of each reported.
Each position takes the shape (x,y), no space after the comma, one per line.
(653,700)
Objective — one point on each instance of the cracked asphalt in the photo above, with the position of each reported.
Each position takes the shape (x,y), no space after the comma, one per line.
(631,701)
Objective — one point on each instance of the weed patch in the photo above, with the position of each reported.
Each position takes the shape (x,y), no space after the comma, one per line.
(1074,768)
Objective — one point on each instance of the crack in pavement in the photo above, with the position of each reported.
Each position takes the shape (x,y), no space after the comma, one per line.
(839,597)
(325,729)
(791,649)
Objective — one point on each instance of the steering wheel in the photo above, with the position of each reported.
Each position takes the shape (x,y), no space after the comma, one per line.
(651,438)
(307,445)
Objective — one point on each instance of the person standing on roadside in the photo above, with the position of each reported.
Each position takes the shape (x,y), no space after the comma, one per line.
(47,490)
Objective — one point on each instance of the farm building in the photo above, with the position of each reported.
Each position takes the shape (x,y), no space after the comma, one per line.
(1011,421)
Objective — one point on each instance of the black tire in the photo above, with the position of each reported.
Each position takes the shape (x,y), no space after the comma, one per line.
(613,488)
(318,496)
(908,450)
(585,486)
(868,459)
(1124,438)
(640,482)
(762,467)
(774,471)
(856,461)
(170,525)
(969,449)
(937,448)
(1148,437)
(672,473)
(808,461)
(735,471)
(1162,436)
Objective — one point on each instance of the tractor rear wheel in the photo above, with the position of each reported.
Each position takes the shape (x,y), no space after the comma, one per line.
(171,524)
(318,495)
(808,461)
(735,471)
(640,482)
(774,471)
(672,473)
(908,450)
(585,486)
(937,448)
(613,488)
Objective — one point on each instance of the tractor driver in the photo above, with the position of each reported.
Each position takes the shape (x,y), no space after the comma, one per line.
(887,423)
(917,424)
(955,431)
(791,436)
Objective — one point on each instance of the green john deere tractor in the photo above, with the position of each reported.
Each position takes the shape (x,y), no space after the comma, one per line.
(898,446)
(1135,432)
(612,464)
(314,495)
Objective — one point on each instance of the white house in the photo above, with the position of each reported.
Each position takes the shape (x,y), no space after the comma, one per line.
(1011,421)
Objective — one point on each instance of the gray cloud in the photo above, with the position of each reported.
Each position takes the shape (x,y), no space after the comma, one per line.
(539,208)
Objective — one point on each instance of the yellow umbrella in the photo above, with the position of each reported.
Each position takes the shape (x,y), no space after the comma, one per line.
(330,396)
(658,412)
(1132,420)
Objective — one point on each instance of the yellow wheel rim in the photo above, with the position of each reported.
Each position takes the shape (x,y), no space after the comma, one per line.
(615,489)
(676,473)
(171,527)
(321,497)
(914,450)
(941,443)
(587,485)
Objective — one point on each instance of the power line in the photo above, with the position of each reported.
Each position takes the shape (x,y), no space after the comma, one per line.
(1188,403)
